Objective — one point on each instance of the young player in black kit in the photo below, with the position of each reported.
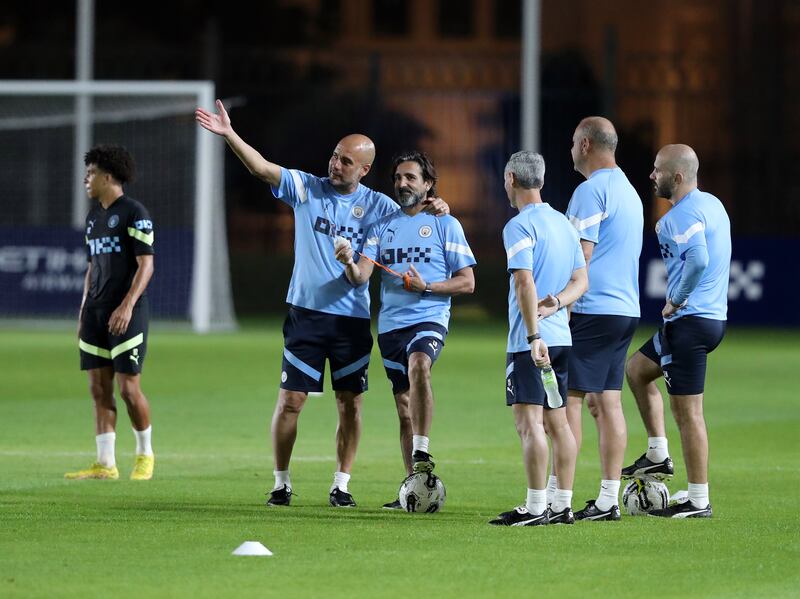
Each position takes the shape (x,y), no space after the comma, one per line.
(113,321)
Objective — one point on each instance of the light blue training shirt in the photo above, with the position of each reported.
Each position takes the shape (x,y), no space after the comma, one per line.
(320,214)
(606,210)
(437,248)
(541,240)
(698,220)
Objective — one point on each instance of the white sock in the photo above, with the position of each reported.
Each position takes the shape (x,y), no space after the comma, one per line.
(281,478)
(562,499)
(552,485)
(698,495)
(536,501)
(105,449)
(143,446)
(340,479)
(657,449)
(420,443)
(609,495)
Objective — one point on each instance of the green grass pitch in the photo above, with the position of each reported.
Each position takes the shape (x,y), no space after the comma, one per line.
(212,398)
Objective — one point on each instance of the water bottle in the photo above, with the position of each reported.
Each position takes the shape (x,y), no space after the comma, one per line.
(551,387)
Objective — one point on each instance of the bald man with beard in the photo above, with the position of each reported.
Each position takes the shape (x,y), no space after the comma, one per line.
(694,238)
(328,316)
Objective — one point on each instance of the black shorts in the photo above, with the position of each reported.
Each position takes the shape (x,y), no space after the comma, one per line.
(397,345)
(311,337)
(100,349)
(681,348)
(599,347)
(524,379)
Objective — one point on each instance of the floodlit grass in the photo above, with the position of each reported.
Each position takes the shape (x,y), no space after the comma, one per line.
(212,398)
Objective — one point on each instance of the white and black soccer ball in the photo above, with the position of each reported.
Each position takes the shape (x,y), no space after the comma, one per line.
(641,496)
(422,492)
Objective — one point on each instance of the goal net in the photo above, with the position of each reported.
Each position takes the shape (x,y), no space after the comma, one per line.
(46,127)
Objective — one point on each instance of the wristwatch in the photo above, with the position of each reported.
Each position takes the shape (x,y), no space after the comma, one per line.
(534,337)
(428,291)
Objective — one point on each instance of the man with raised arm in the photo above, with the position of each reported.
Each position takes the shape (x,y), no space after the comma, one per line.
(328,317)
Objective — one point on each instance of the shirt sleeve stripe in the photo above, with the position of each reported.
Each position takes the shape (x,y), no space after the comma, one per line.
(580,225)
(143,237)
(302,193)
(458,248)
(518,247)
(683,238)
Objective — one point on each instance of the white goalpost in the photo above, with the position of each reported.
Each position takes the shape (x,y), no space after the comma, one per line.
(45,128)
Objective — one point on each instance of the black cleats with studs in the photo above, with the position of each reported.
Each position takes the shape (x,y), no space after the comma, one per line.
(282,496)
(644,468)
(685,509)
(422,462)
(520,516)
(339,498)
(591,512)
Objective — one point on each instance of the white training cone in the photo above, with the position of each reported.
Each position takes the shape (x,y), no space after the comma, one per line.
(251,548)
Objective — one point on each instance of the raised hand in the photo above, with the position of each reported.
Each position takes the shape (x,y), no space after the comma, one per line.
(219,123)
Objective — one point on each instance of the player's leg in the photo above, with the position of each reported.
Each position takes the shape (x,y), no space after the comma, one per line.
(690,340)
(688,413)
(606,408)
(395,361)
(423,347)
(641,373)
(95,359)
(642,370)
(574,415)
(128,352)
(349,351)
(421,393)
(402,401)
(565,451)
(139,412)
(101,388)
(526,395)
(348,431)
(301,372)
(284,426)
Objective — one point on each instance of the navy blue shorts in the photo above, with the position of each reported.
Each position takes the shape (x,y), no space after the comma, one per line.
(681,348)
(397,345)
(100,349)
(524,379)
(311,337)
(599,347)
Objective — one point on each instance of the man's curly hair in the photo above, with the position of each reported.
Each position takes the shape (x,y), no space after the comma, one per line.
(114,160)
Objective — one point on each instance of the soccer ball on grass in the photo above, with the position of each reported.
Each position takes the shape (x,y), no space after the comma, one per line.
(642,496)
(422,492)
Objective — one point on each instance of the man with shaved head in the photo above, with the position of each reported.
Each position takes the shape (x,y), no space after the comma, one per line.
(695,242)
(607,213)
(328,316)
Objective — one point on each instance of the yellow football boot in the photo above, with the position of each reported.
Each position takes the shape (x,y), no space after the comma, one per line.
(95,471)
(143,467)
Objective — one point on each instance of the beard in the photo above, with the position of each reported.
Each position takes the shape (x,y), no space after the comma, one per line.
(408,198)
(665,190)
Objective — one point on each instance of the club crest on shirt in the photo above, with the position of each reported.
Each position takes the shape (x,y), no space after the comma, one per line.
(658,228)
(113,221)
(425,231)
(358,212)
